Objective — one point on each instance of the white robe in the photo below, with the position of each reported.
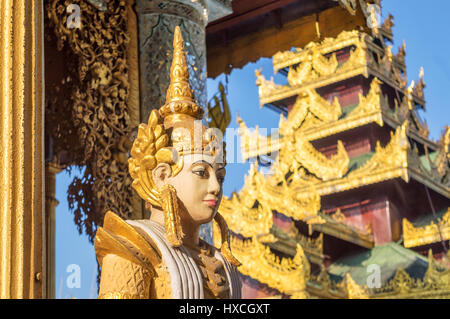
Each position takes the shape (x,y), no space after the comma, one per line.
(186,278)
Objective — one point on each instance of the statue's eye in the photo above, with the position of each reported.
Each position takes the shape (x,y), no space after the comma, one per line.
(220,179)
(200,172)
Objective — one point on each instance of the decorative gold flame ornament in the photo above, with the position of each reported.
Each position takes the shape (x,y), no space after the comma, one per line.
(173,131)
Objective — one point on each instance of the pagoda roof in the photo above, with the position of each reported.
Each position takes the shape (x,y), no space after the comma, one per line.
(287,275)
(427,229)
(302,175)
(403,274)
(287,243)
(317,66)
(389,257)
(336,226)
(398,159)
(317,118)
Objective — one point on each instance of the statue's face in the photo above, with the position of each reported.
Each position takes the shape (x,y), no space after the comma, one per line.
(199,186)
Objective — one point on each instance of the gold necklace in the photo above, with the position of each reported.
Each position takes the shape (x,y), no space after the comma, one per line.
(213,272)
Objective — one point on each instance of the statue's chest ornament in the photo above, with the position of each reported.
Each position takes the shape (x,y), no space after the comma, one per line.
(213,272)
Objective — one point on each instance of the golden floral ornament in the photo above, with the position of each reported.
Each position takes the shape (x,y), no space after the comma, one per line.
(98,89)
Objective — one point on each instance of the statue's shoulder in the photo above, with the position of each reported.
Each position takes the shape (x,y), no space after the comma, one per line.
(122,239)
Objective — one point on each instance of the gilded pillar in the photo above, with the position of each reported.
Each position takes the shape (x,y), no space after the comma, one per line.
(51,169)
(157,21)
(22,225)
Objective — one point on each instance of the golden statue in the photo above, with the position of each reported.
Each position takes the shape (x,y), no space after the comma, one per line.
(180,178)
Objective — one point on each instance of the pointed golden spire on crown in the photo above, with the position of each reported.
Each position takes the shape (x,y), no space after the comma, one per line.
(180,98)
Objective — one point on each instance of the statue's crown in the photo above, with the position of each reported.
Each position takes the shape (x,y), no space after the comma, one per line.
(172,131)
(181,114)
(180,97)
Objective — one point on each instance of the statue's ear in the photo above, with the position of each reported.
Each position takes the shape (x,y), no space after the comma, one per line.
(161,173)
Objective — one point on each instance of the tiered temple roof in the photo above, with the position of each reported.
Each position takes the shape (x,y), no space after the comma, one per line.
(328,186)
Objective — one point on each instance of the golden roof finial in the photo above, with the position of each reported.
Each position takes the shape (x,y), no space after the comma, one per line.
(180,98)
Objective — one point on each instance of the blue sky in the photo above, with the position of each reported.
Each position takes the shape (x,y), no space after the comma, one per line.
(425,29)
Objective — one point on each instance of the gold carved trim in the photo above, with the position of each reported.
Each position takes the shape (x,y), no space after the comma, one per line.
(316,118)
(249,213)
(353,290)
(386,163)
(434,232)
(288,276)
(309,68)
(285,59)
(254,144)
(297,151)
(246,221)
(310,102)
(435,284)
(321,286)
(304,154)
(118,295)
(336,226)
(395,160)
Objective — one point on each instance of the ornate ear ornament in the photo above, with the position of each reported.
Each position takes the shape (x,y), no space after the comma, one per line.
(171,218)
(225,239)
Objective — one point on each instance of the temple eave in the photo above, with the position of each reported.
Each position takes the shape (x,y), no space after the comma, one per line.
(345,232)
(266,145)
(431,233)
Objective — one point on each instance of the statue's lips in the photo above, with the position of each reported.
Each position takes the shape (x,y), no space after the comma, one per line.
(211,202)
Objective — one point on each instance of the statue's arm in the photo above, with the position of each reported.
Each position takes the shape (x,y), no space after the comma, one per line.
(124,279)
(127,260)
